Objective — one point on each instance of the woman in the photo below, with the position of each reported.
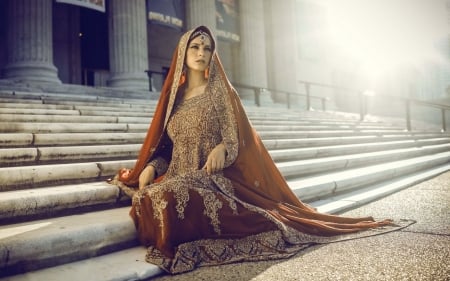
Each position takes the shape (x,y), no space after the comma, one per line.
(208,191)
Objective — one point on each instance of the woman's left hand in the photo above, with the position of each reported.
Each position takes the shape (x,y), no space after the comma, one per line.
(216,159)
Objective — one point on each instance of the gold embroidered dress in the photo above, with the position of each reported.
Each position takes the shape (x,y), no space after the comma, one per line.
(245,212)
(189,204)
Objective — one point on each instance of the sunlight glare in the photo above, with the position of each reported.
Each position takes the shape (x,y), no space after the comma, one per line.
(12,231)
(384,35)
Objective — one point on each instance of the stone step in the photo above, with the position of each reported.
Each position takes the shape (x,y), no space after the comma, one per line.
(23,177)
(99,109)
(60,200)
(322,186)
(113,100)
(69,108)
(65,154)
(86,116)
(73,139)
(129,264)
(64,139)
(350,163)
(14,127)
(123,125)
(124,110)
(314,127)
(302,121)
(98,100)
(102,105)
(64,239)
(6,102)
(33,109)
(274,144)
(124,265)
(78,237)
(302,168)
(361,196)
(277,135)
(291,154)
(118,117)
(49,201)
(40,175)
(96,106)
(119,113)
(20,106)
(36,118)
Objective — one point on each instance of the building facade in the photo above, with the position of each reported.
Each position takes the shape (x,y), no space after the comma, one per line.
(129,43)
(59,42)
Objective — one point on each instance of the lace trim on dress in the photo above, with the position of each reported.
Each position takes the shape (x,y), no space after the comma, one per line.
(207,252)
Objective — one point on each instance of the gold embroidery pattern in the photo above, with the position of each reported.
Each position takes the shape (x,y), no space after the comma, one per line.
(177,74)
(179,192)
(262,246)
(136,201)
(289,234)
(178,188)
(222,103)
(212,205)
(158,203)
(226,187)
(196,126)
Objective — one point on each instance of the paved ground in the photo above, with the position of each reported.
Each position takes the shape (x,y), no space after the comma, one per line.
(418,252)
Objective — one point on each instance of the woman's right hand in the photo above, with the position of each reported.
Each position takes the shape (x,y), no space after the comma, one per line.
(147,176)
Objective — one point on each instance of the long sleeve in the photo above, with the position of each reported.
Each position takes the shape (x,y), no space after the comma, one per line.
(162,156)
(228,127)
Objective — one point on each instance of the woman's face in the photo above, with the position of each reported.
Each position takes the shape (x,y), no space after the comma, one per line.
(199,53)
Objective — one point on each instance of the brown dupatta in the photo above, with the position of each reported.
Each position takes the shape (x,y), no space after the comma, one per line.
(254,175)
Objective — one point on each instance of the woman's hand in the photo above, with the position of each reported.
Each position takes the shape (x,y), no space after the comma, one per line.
(216,159)
(147,176)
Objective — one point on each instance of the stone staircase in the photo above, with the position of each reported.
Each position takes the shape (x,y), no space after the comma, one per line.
(59,219)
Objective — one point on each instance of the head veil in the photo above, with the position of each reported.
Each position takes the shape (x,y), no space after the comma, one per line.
(259,175)
(255,177)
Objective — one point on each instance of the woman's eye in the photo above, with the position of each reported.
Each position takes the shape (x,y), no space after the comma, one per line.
(194,47)
(208,49)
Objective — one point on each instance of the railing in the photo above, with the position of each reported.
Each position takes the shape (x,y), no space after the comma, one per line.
(441,107)
(150,77)
(362,100)
(258,90)
(361,104)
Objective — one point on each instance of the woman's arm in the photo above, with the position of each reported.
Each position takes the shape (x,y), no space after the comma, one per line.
(158,164)
(228,129)
(225,153)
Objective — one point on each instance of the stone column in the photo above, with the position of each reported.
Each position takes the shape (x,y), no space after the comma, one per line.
(201,12)
(251,67)
(281,47)
(30,44)
(128,57)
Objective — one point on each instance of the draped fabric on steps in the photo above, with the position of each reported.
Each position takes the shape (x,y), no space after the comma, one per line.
(246,212)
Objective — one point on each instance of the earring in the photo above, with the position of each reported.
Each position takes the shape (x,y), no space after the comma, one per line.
(207,73)
(183,76)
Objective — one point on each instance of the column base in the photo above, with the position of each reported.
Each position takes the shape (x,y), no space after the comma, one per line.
(31,71)
(135,81)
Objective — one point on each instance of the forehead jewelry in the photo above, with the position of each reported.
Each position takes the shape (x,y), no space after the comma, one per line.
(203,35)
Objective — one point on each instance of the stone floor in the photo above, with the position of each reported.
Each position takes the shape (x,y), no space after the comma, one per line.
(418,252)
